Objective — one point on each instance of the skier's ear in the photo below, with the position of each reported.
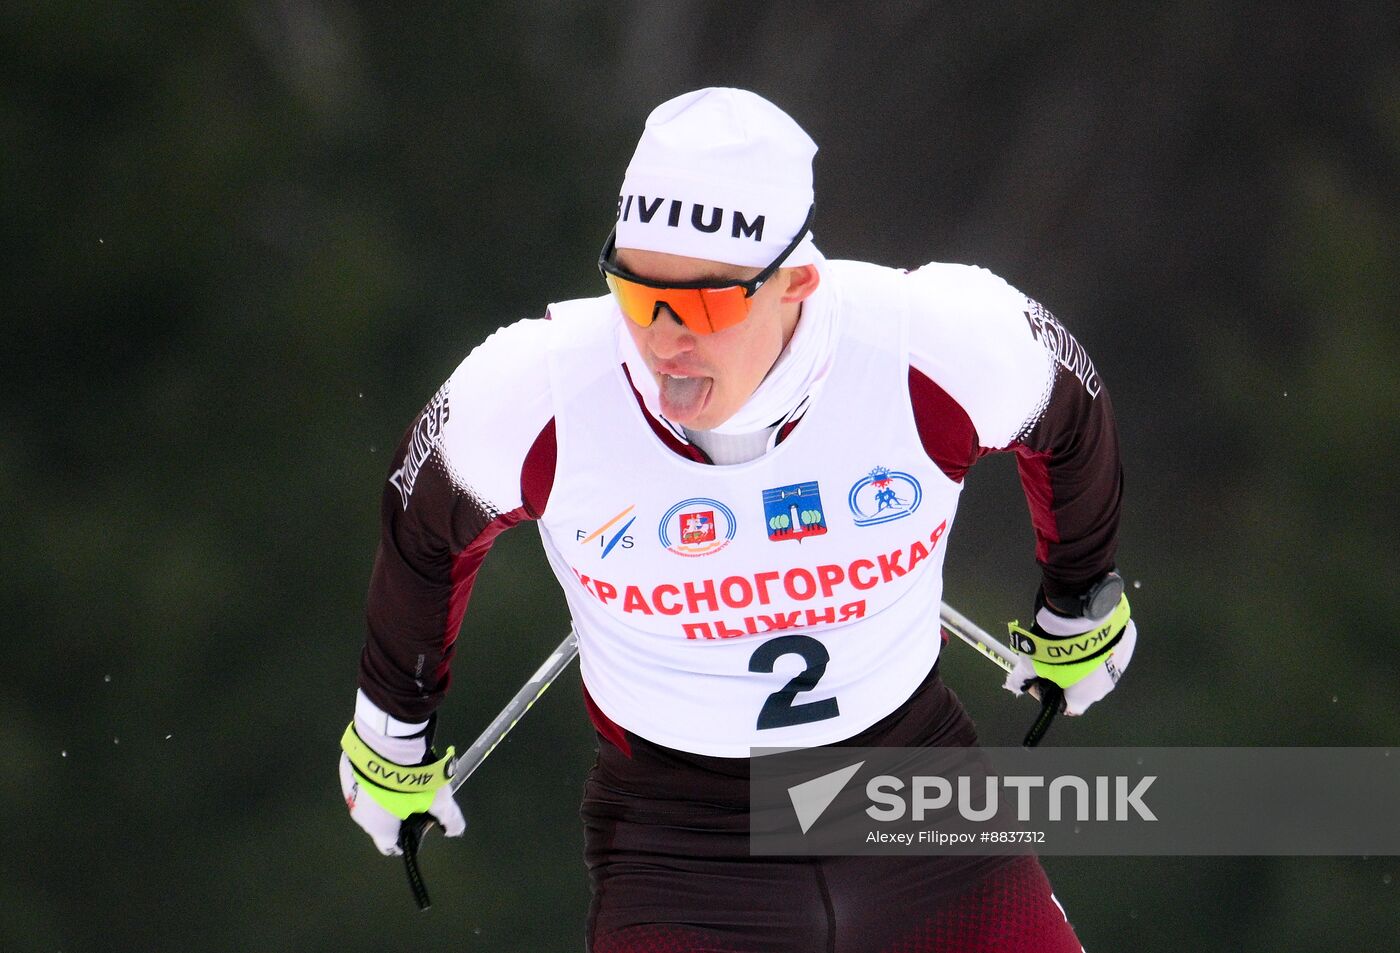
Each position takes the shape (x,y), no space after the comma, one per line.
(801,282)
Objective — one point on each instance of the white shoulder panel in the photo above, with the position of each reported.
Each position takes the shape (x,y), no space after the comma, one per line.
(498,402)
(969,332)
(870,300)
(584,336)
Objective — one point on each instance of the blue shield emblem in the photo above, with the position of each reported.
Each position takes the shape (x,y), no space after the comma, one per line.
(794,511)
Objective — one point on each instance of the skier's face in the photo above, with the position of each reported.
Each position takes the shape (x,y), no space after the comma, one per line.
(705,378)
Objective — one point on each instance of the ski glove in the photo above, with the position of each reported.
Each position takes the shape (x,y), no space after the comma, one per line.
(388,777)
(1083,654)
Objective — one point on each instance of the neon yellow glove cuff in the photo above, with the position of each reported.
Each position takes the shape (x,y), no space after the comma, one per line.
(399,789)
(1070,658)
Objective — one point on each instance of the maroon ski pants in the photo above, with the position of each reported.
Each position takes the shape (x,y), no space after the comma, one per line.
(666,840)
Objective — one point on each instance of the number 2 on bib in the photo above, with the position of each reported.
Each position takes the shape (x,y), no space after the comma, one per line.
(779,711)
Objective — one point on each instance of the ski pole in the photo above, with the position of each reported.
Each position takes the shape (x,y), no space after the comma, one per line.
(1051,696)
(416,826)
(413,829)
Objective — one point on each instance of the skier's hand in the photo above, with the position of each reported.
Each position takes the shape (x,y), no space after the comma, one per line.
(385,779)
(1084,655)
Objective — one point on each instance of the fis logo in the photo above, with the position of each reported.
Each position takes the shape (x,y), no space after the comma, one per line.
(611,542)
(883,495)
(697,527)
(794,511)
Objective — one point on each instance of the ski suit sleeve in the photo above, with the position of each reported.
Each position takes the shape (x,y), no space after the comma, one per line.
(992,370)
(476,461)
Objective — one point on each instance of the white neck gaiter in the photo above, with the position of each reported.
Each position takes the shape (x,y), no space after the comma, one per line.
(790,385)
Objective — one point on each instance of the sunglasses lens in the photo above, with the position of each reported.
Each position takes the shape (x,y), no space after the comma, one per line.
(702,310)
(636,301)
(725,307)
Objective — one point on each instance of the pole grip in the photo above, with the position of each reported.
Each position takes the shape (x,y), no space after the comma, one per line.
(1052,702)
(411,833)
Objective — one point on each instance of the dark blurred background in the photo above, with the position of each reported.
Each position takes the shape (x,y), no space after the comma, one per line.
(243,243)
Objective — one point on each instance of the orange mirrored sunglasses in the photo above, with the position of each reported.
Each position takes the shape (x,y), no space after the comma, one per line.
(702,306)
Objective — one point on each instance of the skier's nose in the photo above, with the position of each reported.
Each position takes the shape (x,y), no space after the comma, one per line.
(667,336)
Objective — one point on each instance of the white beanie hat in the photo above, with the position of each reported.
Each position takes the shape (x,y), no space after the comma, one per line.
(719,174)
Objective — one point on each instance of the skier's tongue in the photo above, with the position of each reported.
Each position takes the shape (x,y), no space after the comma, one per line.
(682,398)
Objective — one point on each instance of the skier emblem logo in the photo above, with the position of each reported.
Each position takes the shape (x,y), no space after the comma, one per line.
(697,527)
(794,511)
(883,495)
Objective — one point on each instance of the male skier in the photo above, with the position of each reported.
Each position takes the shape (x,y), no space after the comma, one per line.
(744,461)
